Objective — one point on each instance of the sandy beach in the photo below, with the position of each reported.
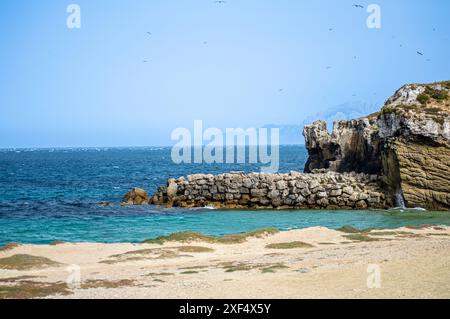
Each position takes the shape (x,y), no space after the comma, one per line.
(308,263)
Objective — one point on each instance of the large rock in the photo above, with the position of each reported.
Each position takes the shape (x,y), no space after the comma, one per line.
(407,142)
(416,145)
(353,146)
(137,196)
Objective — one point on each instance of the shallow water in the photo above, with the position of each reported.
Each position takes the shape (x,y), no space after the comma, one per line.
(48,195)
(135,224)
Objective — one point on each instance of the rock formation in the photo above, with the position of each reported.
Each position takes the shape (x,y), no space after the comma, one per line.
(414,126)
(136,196)
(407,142)
(321,190)
(353,146)
(400,154)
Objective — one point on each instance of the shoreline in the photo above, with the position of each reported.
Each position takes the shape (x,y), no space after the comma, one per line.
(313,262)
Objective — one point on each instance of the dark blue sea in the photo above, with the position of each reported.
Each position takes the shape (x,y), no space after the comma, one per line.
(53,194)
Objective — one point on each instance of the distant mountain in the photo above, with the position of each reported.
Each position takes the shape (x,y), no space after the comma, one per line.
(346,111)
(292,133)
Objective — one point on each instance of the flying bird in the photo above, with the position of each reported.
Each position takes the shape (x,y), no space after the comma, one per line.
(149,33)
(220,1)
(419,53)
(330,29)
(358,6)
(328,67)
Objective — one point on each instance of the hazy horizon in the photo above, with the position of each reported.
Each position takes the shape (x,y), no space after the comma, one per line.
(137,70)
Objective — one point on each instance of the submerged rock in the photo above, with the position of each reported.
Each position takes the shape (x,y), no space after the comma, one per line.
(104,204)
(137,196)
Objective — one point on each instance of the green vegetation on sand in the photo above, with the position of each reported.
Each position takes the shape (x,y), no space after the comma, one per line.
(290,245)
(26,262)
(226,239)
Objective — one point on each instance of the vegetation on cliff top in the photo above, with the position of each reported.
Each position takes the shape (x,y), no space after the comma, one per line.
(432,93)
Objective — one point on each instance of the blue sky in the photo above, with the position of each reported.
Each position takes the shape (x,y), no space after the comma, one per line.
(90,86)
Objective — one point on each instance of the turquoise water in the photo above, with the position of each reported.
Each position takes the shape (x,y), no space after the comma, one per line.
(140,223)
(48,195)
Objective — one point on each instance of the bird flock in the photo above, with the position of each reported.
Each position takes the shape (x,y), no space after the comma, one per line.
(330,29)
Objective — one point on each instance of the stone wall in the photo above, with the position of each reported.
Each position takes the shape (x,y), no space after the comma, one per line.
(320,190)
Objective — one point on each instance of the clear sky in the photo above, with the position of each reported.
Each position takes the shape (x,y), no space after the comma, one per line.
(221,63)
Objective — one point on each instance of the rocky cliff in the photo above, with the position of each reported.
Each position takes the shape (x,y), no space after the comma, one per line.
(353,146)
(407,142)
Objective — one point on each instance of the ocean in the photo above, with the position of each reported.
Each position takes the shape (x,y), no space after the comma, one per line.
(53,194)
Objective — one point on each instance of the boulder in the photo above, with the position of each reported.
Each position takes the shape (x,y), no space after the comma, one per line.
(137,196)
(104,204)
(352,146)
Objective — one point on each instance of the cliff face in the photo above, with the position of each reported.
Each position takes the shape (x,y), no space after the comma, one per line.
(414,126)
(353,146)
(408,143)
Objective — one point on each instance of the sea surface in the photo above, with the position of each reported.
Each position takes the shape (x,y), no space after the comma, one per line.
(53,194)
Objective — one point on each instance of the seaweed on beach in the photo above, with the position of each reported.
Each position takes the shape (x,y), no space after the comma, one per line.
(273,268)
(57,242)
(98,283)
(390,233)
(23,288)
(157,274)
(240,266)
(419,227)
(361,237)
(156,253)
(226,239)
(189,272)
(9,280)
(26,262)
(289,245)
(350,230)
(195,249)
(180,237)
(9,246)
